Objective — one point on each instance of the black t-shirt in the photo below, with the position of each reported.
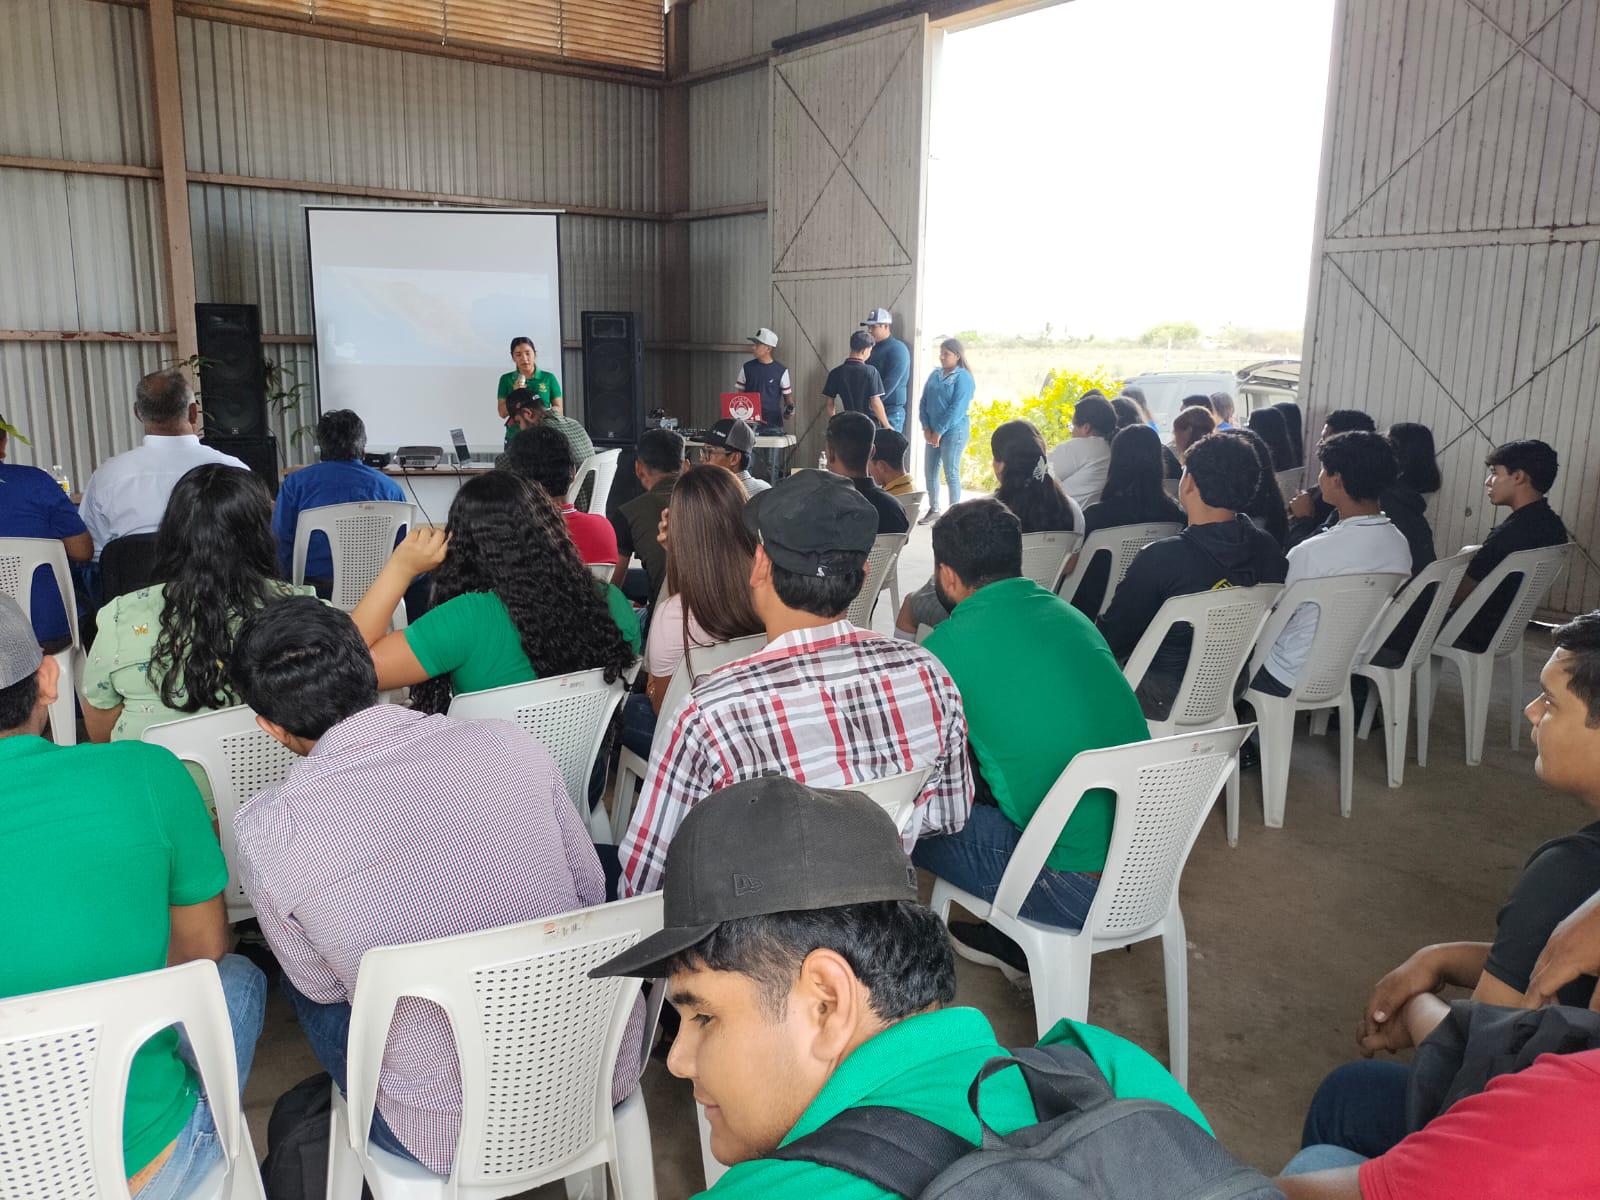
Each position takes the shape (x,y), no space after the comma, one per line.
(891,516)
(766,379)
(1529,528)
(854,383)
(1560,876)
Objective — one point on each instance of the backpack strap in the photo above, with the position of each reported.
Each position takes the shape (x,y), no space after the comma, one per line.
(1060,1079)
(898,1151)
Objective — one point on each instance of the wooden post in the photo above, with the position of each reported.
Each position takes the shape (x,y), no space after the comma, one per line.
(174,172)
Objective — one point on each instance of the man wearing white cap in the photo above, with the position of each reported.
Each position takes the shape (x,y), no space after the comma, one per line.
(892,358)
(767,377)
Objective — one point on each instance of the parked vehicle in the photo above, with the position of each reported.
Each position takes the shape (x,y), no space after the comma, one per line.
(1255,386)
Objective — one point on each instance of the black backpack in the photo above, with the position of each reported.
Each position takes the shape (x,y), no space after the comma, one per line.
(1088,1145)
(298,1133)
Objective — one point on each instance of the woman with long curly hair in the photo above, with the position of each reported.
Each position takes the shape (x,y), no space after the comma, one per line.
(512,600)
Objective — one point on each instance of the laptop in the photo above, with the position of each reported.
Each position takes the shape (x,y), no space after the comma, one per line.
(464,456)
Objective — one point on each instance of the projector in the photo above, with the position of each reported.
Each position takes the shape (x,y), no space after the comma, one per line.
(419,458)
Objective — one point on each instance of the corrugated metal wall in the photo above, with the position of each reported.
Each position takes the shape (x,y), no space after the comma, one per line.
(723,31)
(1457,280)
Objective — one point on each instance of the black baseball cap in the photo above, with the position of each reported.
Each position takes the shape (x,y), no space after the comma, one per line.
(813,523)
(518,399)
(769,845)
(732,434)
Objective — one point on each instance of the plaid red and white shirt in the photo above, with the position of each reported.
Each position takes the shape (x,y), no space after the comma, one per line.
(400,827)
(829,707)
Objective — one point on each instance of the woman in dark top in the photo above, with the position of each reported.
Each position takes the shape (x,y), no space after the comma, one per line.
(1266,505)
(1406,502)
(1274,431)
(1295,429)
(1133,495)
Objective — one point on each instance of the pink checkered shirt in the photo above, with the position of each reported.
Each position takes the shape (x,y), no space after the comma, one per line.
(400,827)
(830,707)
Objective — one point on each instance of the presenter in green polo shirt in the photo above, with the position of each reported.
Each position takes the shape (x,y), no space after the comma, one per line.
(545,387)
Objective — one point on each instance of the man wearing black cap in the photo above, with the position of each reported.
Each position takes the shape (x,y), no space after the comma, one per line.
(826,702)
(729,443)
(810,981)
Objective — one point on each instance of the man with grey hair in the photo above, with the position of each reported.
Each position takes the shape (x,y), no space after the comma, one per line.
(128,493)
(1222,405)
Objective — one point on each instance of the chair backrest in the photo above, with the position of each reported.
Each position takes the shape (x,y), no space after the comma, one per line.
(603,466)
(566,714)
(1289,482)
(696,664)
(1225,625)
(1444,575)
(127,564)
(241,760)
(1538,569)
(895,794)
(361,537)
(885,551)
(604,572)
(1347,608)
(536,1036)
(1122,543)
(1045,554)
(20,558)
(64,1061)
(1164,788)
(1170,486)
(912,503)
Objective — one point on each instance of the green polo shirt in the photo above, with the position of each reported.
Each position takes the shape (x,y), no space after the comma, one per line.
(542,384)
(924,1065)
(471,639)
(1038,684)
(96,842)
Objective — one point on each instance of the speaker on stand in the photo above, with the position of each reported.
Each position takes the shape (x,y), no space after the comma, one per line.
(613,377)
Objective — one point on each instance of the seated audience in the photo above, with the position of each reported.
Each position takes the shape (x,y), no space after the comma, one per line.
(542,456)
(1357,468)
(525,410)
(1361,1106)
(36,507)
(1009,644)
(1221,547)
(1308,512)
(1131,409)
(1080,463)
(1222,405)
(128,493)
(708,590)
(1294,427)
(657,464)
(1189,426)
(512,601)
(827,990)
(1133,495)
(1520,473)
(1405,502)
(339,477)
(1266,502)
(826,702)
(731,443)
(890,456)
(849,447)
(111,868)
(1274,431)
(397,827)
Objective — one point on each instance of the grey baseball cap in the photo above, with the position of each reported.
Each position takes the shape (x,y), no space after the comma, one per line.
(20,655)
(769,845)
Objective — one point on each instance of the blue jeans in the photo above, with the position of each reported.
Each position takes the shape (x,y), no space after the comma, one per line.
(327,1028)
(975,857)
(1322,1158)
(198,1150)
(947,456)
(1360,1106)
(897,417)
(638,724)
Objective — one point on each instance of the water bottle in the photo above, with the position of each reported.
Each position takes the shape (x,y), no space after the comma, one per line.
(60,477)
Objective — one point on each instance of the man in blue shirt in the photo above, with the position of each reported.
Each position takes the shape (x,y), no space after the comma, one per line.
(340,478)
(892,358)
(33,505)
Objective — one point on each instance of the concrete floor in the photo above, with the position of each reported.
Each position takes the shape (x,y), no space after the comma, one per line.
(1287,933)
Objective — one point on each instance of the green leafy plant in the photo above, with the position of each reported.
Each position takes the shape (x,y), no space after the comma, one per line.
(1050,408)
(11,431)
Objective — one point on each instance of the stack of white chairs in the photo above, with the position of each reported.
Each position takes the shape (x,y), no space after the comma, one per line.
(19,559)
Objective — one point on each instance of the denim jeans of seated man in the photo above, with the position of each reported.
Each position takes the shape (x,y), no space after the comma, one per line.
(1360,1106)
(1322,1158)
(198,1150)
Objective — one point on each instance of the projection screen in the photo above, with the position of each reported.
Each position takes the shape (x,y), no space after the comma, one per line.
(415,310)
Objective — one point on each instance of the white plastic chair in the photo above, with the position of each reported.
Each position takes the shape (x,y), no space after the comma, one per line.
(64,1062)
(19,559)
(695,665)
(881,573)
(1164,790)
(897,796)
(912,503)
(1122,542)
(604,572)
(1538,570)
(567,714)
(537,1041)
(1045,555)
(241,760)
(1224,627)
(1348,606)
(1391,686)
(603,466)
(361,536)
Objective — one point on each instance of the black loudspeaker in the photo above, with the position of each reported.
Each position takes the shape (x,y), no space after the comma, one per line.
(613,377)
(233,374)
(260,454)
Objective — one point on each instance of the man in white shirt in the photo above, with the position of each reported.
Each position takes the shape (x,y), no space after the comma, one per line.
(1080,463)
(1357,468)
(128,494)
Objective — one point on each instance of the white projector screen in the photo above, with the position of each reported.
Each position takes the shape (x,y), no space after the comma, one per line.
(415,310)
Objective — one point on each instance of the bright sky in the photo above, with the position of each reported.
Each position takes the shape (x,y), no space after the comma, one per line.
(1105,165)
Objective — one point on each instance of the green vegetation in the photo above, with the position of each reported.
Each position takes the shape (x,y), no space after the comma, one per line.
(1050,408)
(1171,333)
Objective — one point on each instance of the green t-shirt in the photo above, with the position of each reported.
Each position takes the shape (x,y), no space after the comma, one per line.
(471,638)
(1038,684)
(95,843)
(924,1065)
(542,384)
